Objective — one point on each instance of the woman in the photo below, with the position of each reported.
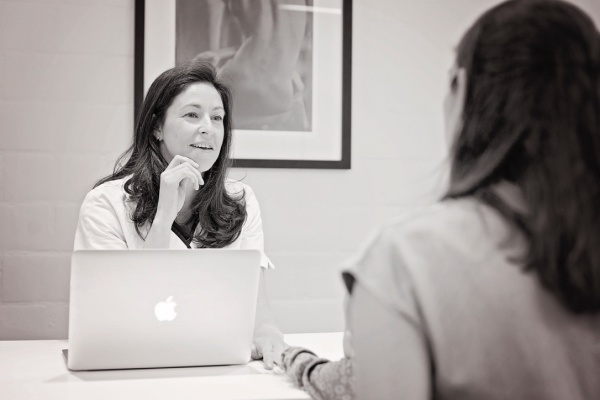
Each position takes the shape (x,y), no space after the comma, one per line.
(494,293)
(170,189)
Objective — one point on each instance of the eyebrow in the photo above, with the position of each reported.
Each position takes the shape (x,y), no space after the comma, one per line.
(200,107)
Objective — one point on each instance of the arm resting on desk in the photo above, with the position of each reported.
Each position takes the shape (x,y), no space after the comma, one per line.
(268,339)
(320,378)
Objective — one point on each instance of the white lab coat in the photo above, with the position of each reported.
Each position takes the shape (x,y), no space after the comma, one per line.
(104,222)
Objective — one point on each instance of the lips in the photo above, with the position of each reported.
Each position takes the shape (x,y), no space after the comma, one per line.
(202,146)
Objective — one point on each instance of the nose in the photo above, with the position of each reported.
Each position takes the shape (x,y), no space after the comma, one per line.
(205,124)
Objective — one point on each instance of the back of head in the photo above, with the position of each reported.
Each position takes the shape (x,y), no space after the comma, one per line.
(532,117)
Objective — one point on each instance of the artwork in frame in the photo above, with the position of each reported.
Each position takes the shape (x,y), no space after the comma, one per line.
(287,61)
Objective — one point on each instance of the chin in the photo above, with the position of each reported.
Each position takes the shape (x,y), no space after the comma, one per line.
(205,165)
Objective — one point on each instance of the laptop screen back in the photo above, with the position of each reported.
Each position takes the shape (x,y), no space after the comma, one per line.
(161,308)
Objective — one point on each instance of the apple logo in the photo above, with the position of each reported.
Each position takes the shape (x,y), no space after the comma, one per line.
(165,310)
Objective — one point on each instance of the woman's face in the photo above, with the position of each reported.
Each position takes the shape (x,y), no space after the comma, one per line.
(194,126)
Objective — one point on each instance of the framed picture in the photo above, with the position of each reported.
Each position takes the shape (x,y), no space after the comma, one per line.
(288,63)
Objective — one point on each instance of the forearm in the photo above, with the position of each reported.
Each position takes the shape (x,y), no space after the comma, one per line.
(265,321)
(319,377)
(179,183)
(268,339)
(159,235)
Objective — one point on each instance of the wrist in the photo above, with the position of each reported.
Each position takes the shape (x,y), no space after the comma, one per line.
(163,218)
(159,234)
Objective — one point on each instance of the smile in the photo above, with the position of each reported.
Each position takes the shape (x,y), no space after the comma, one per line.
(202,146)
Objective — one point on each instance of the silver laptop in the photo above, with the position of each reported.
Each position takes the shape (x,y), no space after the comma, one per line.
(161,308)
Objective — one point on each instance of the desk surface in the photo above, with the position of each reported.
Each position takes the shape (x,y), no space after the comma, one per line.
(36,370)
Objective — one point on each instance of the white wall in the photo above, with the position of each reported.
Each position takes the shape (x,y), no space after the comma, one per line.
(66,105)
(66,111)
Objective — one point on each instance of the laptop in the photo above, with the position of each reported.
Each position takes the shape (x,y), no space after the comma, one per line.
(161,308)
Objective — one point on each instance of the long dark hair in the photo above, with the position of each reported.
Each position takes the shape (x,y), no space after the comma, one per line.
(220,215)
(532,117)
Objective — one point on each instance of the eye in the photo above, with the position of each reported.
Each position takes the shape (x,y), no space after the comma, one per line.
(191,114)
(217,118)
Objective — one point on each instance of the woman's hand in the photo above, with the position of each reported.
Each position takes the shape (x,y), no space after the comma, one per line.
(268,345)
(174,183)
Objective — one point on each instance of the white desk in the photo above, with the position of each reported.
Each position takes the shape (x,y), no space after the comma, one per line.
(36,370)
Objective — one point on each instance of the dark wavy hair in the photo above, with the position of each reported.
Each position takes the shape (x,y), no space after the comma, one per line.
(220,215)
(532,117)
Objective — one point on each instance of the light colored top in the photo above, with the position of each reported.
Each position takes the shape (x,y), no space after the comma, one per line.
(105,223)
(451,317)
(36,370)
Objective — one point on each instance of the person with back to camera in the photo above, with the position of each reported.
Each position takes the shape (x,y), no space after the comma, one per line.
(494,292)
(170,189)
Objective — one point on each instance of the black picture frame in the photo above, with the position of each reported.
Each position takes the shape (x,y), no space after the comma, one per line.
(344,162)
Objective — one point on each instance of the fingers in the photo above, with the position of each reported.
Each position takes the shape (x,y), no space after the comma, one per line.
(182,174)
(270,348)
(187,182)
(255,354)
(181,160)
(263,349)
(268,359)
(195,177)
(268,362)
(193,166)
(182,171)
(272,355)
(199,175)
(178,160)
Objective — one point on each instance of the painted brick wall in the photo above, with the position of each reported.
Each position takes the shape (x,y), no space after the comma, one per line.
(66,104)
(66,101)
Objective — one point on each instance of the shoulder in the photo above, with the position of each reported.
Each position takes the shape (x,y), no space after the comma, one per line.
(463,230)
(443,222)
(433,244)
(109,194)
